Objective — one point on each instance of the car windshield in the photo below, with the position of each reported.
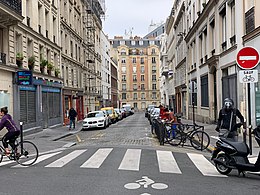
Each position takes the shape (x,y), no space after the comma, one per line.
(94,114)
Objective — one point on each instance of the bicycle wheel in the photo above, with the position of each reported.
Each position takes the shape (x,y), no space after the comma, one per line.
(199,140)
(28,155)
(173,137)
(1,155)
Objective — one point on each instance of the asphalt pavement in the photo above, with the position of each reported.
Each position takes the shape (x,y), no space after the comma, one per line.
(50,138)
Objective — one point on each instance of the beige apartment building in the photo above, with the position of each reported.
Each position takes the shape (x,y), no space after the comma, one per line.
(213,33)
(138,71)
(59,42)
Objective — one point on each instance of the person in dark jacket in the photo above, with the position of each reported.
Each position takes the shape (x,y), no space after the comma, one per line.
(72,117)
(11,127)
(227,119)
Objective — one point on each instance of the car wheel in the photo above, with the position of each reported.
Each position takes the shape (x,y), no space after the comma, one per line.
(105,125)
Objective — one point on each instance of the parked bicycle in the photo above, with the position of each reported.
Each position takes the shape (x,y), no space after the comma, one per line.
(24,152)
(180,133)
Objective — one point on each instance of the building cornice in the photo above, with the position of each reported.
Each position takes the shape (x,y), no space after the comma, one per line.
(252,35)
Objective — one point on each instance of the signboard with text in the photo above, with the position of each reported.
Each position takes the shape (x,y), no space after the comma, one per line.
(248,76)
(24,77)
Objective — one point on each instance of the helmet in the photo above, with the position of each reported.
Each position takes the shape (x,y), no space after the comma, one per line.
(228,103)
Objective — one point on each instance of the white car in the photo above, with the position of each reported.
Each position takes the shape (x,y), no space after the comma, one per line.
(95,119)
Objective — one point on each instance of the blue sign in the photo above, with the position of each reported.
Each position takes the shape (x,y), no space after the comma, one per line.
(24,77)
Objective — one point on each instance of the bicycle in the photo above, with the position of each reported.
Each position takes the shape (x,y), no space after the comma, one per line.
(199,139)
(24,153)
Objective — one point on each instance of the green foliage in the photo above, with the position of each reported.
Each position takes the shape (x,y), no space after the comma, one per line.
(19,56)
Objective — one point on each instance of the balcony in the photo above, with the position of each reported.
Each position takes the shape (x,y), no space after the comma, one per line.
(10,12)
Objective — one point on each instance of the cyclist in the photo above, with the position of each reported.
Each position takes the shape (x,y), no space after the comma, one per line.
(13,130)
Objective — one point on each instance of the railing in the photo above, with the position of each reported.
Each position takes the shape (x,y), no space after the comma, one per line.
(16,5)
(3,58)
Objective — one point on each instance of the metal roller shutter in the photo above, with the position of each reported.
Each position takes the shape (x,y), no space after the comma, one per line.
(23,107)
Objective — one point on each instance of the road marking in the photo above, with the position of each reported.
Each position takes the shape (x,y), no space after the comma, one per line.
(96,160)
(66,159)
(131,160)
(204,166)
(167,162)
(40,159)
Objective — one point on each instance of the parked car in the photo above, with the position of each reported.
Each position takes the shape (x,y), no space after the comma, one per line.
(113,115)
(123,112)
(149,107)
(95,119)
(119,113)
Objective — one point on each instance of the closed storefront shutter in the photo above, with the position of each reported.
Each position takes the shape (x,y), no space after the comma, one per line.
(27,106)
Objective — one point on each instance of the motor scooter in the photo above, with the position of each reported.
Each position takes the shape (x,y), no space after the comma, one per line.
(229,155)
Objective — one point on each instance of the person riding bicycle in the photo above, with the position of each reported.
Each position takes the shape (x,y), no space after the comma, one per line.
(13,130)
(227,119)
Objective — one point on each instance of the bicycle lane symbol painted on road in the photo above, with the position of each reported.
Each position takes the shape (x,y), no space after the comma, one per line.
(145,182)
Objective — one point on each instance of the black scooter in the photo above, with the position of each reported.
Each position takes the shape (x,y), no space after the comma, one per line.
(230,155)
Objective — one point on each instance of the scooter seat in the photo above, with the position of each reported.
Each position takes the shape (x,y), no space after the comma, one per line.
(241,147)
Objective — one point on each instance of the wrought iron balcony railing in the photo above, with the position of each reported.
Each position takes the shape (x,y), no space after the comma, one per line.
(16,5)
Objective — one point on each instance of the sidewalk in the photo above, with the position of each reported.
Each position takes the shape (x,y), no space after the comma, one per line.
(210,129)
(49,138)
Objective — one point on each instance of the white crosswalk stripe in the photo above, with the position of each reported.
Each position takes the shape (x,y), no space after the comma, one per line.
(204,166)
(130,161)
(66,159)
(97,159)
(167,163)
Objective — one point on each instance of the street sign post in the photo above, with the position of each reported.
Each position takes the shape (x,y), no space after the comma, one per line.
(247,59)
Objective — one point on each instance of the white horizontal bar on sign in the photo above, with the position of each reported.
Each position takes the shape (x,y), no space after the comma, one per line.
(66,159)
(204,166)
(131,160)
(167,162)
(96,160)
(247,57)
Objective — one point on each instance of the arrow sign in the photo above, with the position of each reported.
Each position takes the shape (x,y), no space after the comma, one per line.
(247,58)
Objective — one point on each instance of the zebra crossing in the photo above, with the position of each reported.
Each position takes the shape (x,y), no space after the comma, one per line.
(130,161)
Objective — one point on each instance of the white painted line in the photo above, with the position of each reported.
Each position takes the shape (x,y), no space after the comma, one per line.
(66,159)
(131,160)
(96,160)
(167,162)
(247,57)
(40,159)
(204,166)
(6,161)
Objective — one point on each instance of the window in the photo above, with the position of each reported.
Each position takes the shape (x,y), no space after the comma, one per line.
(123,52)
(141,52)
(123,61)
(123,77)
(142,69)
(142,77)
(134,69)
(143,96)
(141,42)
(153,69)
(122,42)
(142,87)
(154,95)
(132,42)
(135,96)
(123,69)
(123,96)
(134,60)
(124,87)
(135,105)
(153,51)
(153,60)
(142,60)
(212,36)
(151,42)
(154,87)
(153,77)
(204,91)
(134,78)
(135,87)
(224,28)
(143,105)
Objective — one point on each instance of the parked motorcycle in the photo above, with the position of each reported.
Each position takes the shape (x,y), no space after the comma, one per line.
(230,155)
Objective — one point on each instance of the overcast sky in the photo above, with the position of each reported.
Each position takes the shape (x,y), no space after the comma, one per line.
(122,15)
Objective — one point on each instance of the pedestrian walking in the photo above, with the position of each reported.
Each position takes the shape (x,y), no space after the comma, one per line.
(72,116)
(227,121)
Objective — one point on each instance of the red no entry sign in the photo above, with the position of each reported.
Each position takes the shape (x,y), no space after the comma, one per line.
(247,58)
